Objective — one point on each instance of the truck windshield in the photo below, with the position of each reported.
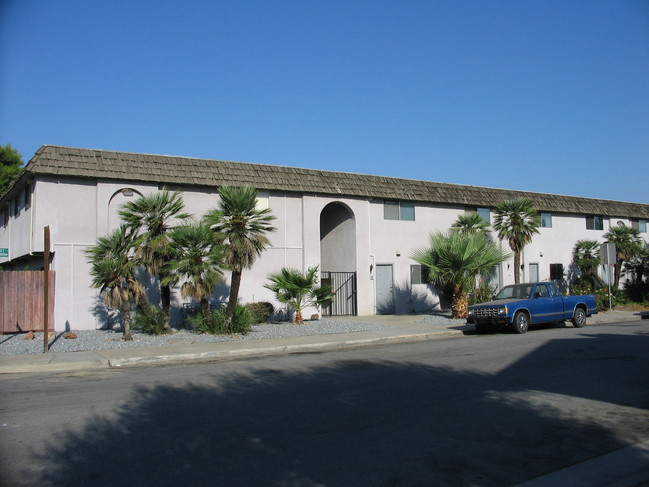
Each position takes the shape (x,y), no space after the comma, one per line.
(521,291)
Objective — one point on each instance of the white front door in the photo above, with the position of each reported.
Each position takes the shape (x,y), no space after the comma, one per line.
(384,289)
(534,272)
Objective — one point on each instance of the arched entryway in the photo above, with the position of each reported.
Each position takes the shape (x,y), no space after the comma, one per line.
(338,257)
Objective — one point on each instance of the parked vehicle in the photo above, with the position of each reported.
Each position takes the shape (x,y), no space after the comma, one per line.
(520,305)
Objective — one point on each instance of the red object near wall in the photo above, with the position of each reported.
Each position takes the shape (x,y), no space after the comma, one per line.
(21,301)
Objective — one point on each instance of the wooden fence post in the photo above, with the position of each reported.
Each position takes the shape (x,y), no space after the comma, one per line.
(46,291)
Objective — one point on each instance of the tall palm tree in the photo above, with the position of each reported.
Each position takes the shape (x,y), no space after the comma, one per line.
(150,218)
(197,261)
(628,243)
(516,221)
(585,255)
(470,222)
(299,289)
(113,272)
(458,259)
(241,227)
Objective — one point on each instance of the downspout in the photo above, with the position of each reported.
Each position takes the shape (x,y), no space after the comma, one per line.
(372,257)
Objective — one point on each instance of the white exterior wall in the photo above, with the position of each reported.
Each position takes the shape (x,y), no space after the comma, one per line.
(555,245)
(16,232)
(78,212)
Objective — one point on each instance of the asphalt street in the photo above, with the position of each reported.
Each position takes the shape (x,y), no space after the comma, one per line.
(489,410)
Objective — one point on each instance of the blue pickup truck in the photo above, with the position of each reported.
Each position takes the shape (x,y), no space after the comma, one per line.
(520,305)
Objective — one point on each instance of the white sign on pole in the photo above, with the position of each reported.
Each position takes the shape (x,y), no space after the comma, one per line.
(607,255)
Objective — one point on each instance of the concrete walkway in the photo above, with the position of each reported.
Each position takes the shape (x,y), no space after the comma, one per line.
(403,328)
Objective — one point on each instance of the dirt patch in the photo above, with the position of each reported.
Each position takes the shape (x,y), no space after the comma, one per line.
(632,307)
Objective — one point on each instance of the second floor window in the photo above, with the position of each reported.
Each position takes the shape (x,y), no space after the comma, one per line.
(398,210)
(595,222)
(639,225)
(546,220)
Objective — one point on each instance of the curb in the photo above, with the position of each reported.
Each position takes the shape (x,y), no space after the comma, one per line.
(90,360)
(278,350)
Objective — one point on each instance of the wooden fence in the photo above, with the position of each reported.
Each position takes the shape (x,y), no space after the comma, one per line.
(21,301)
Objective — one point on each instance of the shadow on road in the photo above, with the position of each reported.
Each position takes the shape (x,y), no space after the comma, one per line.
(367,423)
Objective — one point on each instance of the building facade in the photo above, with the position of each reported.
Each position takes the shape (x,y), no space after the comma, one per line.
(360,229)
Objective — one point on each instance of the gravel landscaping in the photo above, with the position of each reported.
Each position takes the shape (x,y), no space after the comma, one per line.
(107,339)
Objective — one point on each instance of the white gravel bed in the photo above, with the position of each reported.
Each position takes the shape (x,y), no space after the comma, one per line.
(108,339)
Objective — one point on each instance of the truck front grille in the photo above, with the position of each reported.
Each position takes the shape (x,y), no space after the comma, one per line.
(486,312)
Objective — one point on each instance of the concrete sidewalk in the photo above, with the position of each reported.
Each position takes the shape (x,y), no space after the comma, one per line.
(403,328)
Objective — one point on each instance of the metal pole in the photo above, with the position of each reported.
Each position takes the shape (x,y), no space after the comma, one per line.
(46,290)
(610,298)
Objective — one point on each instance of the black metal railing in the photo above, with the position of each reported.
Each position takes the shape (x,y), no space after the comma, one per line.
(343,285)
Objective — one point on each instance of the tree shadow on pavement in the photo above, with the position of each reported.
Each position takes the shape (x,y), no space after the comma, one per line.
(362,423)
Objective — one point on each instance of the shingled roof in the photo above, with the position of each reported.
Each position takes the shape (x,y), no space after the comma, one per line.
(170,170)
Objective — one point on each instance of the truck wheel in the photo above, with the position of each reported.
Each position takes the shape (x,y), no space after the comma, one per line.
(579,318)
(521,322)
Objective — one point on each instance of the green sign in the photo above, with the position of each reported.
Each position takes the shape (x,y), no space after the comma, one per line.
(4,252)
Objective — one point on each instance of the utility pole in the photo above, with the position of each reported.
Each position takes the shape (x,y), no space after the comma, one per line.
(46,291)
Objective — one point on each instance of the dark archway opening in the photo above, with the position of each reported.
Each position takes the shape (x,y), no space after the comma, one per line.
(338,258)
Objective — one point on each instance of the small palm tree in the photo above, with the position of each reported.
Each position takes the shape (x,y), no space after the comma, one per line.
(628,243)
(458,259)
(470,222)
(149,218)
(197,261)
(299,290)
(113,272)
(585,255)
(516,221)
(638,266)
(241,228)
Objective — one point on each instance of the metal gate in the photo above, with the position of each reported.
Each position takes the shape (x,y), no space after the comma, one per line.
(343,285)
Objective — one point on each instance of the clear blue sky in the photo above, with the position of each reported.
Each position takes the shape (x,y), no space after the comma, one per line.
(540,95)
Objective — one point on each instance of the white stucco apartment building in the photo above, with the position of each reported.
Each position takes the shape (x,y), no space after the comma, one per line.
(360,229)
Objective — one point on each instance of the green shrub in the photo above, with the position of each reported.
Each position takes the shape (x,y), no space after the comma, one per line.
(482,292)
(242,321)
(637,292)
(261,312)
(587,286)
(602,299)
(153,324)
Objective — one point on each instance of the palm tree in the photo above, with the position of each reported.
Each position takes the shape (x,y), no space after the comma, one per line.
(585,255)
(470,222)
(113,272)
(628,244)
(637,289)
(241,227)
(149,218)
(299,289)
(458,259)
(516,221)
(638,266)
(197,261)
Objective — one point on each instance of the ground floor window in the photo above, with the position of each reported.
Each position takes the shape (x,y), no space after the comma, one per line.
(556,271)
(418,274)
